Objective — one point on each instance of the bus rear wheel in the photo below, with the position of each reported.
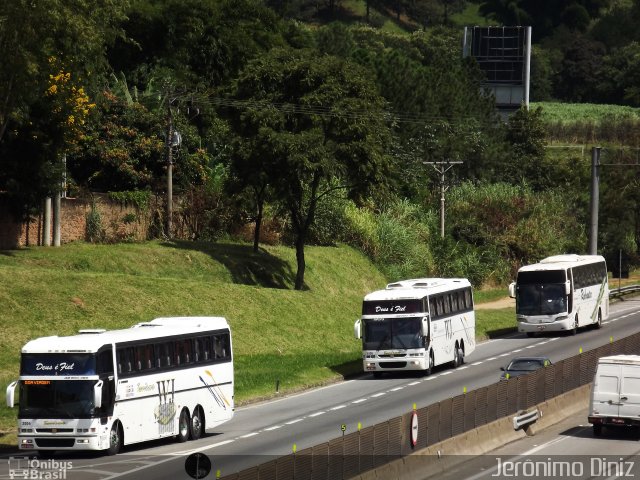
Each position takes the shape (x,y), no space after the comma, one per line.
(115,439)
(197,424)
(183,426)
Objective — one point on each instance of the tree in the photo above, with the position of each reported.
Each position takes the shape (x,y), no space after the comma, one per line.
(321,120)
(53,55)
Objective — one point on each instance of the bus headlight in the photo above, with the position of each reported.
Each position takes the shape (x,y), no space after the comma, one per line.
(562,317)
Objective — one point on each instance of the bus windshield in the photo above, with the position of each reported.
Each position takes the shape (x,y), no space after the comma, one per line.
(549,299)
(56,398)
(392,333)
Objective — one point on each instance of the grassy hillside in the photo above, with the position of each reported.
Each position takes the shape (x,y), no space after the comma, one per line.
(296,338)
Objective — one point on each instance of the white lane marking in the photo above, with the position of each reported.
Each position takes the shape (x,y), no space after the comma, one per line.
(396,389)
(171,457)
(489,473)
(413,383)
(275,427)
(489,359)
(360,400)
(317,413)
(554,339)
(517,350)
(294,421)
(430,378)
(476,363)
(252,434)
(448,372)
(337,408)
(504,354)
(462,368)
(378,394)
(531,346)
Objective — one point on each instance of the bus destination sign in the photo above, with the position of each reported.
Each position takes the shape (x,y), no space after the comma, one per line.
(58,364)
(392,307)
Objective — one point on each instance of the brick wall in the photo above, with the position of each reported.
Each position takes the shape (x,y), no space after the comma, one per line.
(119,223)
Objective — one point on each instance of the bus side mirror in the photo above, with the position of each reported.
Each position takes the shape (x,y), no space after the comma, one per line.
(425,326)
(356,329)
(567,287)
(97,394)
(512,289)
(11,394)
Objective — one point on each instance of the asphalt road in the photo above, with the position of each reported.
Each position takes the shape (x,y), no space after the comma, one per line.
(264,431)
(565,450)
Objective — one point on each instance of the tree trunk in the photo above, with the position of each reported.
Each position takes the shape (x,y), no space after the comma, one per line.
(256,233)
(368,5)
(300,240)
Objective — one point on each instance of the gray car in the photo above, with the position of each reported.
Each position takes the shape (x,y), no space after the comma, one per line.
(523,365)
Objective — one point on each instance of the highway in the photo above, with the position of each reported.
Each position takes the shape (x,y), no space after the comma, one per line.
(263,431)
(562,451)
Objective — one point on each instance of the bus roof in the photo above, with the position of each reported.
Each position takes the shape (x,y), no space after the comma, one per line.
(91,340)
(562,262)
(417,288)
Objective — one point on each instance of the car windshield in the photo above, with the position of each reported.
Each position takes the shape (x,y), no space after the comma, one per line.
(526,364)
(392,333)
(56,398)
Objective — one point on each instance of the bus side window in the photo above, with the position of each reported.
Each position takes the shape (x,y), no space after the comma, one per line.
(184,354)
(461,303)
(125,359)
(454,302)
(164,354)
(105,362)
(220,346)
(433,308)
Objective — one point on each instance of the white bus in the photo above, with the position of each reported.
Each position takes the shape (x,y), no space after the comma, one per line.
(100,390)
(561,293)
(416,325)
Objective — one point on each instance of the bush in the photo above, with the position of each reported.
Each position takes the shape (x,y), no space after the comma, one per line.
(94,232)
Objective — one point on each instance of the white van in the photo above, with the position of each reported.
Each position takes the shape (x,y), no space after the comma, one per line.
(615,394)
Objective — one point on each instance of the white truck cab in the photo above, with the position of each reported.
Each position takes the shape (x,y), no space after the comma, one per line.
(615,393)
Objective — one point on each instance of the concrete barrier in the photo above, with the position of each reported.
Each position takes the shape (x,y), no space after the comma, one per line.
(435,459)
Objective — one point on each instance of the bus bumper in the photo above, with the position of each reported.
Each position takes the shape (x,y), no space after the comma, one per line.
(545,324)
(57,442)
(395,365)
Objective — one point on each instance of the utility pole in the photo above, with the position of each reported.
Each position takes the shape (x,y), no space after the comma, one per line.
(169,160)
(442,168)
(595,198)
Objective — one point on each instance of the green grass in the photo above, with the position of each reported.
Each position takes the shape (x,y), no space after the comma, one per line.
(490,294)
(293,339)
(470,17)
(570,113)
(491,323)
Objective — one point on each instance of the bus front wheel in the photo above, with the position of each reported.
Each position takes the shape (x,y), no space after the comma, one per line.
(429,369)
(115,439)
(183,426)
(197,424)
(456,356)
(599,321)
(574,330)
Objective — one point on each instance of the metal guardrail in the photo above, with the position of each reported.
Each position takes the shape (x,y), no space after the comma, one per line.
(616,292)
(525,419)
